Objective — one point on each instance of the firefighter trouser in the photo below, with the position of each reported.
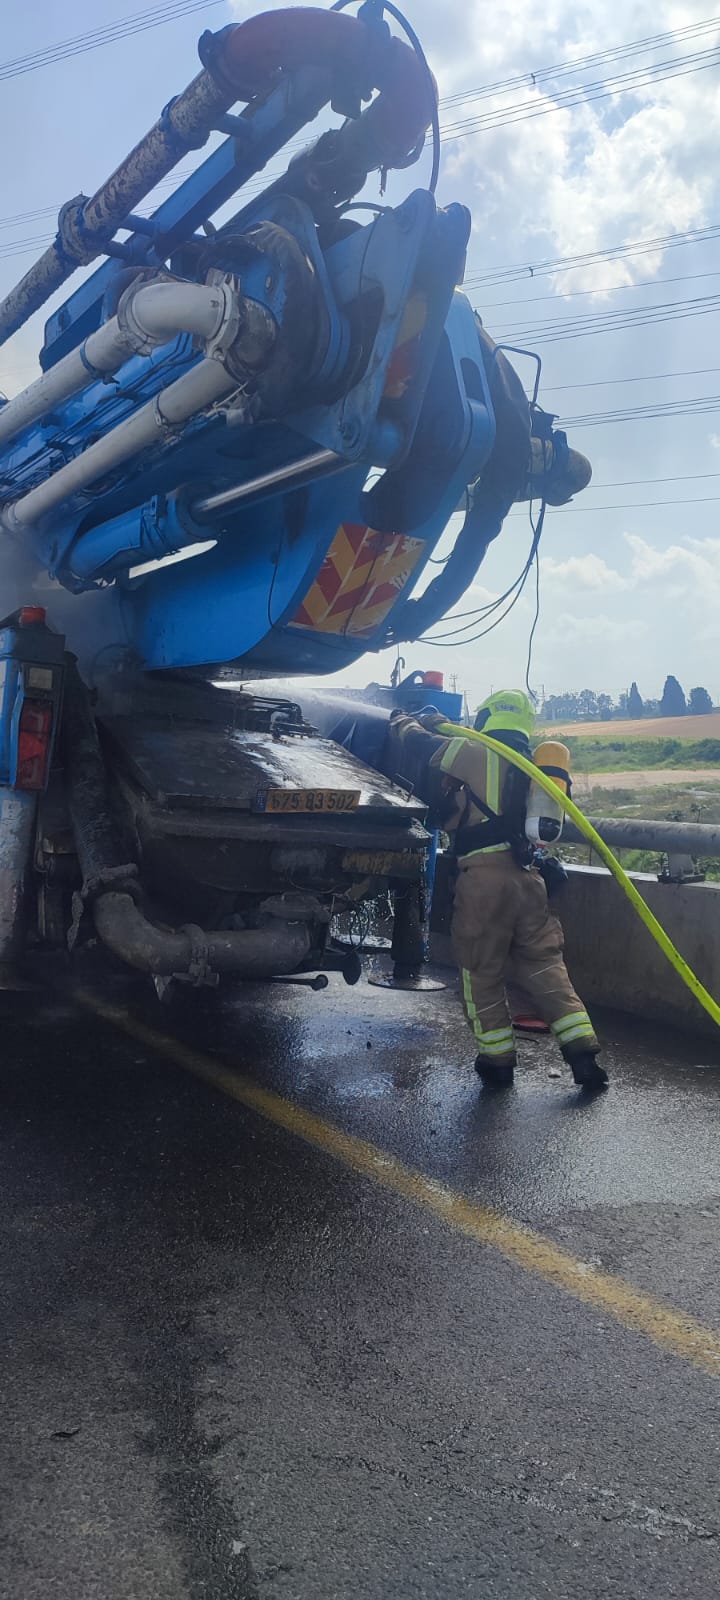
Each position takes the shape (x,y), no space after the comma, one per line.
(501,919)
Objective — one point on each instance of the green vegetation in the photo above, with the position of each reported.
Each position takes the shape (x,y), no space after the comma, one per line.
(666,803)
(585,705)
(626,755)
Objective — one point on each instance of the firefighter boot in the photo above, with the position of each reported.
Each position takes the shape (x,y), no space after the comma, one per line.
(495,1074)
(587,1073)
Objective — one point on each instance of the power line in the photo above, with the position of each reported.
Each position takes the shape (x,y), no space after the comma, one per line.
(160,14)
(636,505)
(156,16)
(558,330)
(581,96)
(625,483)
(702,405)
(590,258)
(621,83)
(177,176)
(94,39)
(581,319)
(650,377)
(579,63)
(577,294)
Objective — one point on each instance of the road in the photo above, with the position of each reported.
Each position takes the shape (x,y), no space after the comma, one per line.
(295,1311)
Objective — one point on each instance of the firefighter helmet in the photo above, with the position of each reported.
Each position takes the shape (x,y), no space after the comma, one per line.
(507,711)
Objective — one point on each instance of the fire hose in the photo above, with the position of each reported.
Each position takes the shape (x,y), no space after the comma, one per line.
(451,731)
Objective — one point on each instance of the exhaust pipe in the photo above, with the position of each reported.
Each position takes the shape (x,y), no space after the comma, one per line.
(288,924)
(278,947)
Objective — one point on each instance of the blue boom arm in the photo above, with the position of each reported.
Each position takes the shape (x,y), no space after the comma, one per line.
(300,398)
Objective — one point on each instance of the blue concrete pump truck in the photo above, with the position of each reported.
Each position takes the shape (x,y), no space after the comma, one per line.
(246,441)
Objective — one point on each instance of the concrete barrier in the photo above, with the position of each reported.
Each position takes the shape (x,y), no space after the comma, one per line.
(612,959)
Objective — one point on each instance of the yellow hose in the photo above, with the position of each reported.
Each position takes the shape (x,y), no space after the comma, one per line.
(452,731)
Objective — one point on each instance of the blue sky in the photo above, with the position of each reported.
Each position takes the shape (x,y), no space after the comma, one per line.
(630,590)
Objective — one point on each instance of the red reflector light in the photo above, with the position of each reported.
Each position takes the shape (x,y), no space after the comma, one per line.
(434,680)
(31,614)
(33,745)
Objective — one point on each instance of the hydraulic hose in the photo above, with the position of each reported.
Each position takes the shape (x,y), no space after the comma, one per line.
(451,730)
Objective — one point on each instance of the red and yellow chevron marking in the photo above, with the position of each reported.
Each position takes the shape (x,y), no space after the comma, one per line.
(359,580)
(401,366)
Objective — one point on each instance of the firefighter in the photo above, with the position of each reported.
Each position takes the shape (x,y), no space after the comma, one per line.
(501,919)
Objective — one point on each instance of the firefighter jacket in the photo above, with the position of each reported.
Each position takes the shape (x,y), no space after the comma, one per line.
(473,794)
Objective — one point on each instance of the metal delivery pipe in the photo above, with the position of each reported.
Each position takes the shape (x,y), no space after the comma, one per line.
(242,62)
(265,952)
(194,392)
(149,315)
(87,226)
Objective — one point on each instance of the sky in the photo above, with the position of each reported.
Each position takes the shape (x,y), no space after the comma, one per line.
(630,573)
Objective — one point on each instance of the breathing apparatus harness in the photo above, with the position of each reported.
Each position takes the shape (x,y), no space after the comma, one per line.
(506,826)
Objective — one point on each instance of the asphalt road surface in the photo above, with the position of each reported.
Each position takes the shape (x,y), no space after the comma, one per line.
(294,1310)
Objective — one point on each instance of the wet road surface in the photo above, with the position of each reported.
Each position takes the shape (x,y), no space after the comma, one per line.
(238,1364)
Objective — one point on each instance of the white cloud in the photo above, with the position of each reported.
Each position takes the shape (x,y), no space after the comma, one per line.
(598,629)
(583,572)
(19,365)
(633,166)
(690,569)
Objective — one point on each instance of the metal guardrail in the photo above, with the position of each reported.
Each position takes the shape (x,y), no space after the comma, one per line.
(683,843)
(698,839)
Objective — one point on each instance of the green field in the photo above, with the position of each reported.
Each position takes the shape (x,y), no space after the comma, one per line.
(612,754)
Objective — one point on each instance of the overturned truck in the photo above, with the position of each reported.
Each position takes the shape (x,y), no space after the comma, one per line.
(247,438)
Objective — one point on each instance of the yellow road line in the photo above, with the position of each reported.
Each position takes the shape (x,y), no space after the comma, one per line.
(670,1329)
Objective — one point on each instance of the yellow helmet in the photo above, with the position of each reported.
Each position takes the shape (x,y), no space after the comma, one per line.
(508,710)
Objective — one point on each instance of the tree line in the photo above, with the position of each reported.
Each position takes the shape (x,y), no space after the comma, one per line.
(585,705)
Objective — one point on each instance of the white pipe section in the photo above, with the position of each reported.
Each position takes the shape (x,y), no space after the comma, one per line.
(194,392)
(149,315)
(155,312)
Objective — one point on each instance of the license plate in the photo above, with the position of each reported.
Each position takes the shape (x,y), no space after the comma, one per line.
(293,802)
(380,864)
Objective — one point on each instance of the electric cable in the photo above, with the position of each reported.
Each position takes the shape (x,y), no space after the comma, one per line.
(588,258)
(648,377)
(409,31)
(533,630)
(629,505)
(577,294)
(580,63)
(94,39)
(584,94)
(513,593)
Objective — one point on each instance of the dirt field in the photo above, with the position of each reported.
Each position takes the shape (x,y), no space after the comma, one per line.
(705,727)
(653,778)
